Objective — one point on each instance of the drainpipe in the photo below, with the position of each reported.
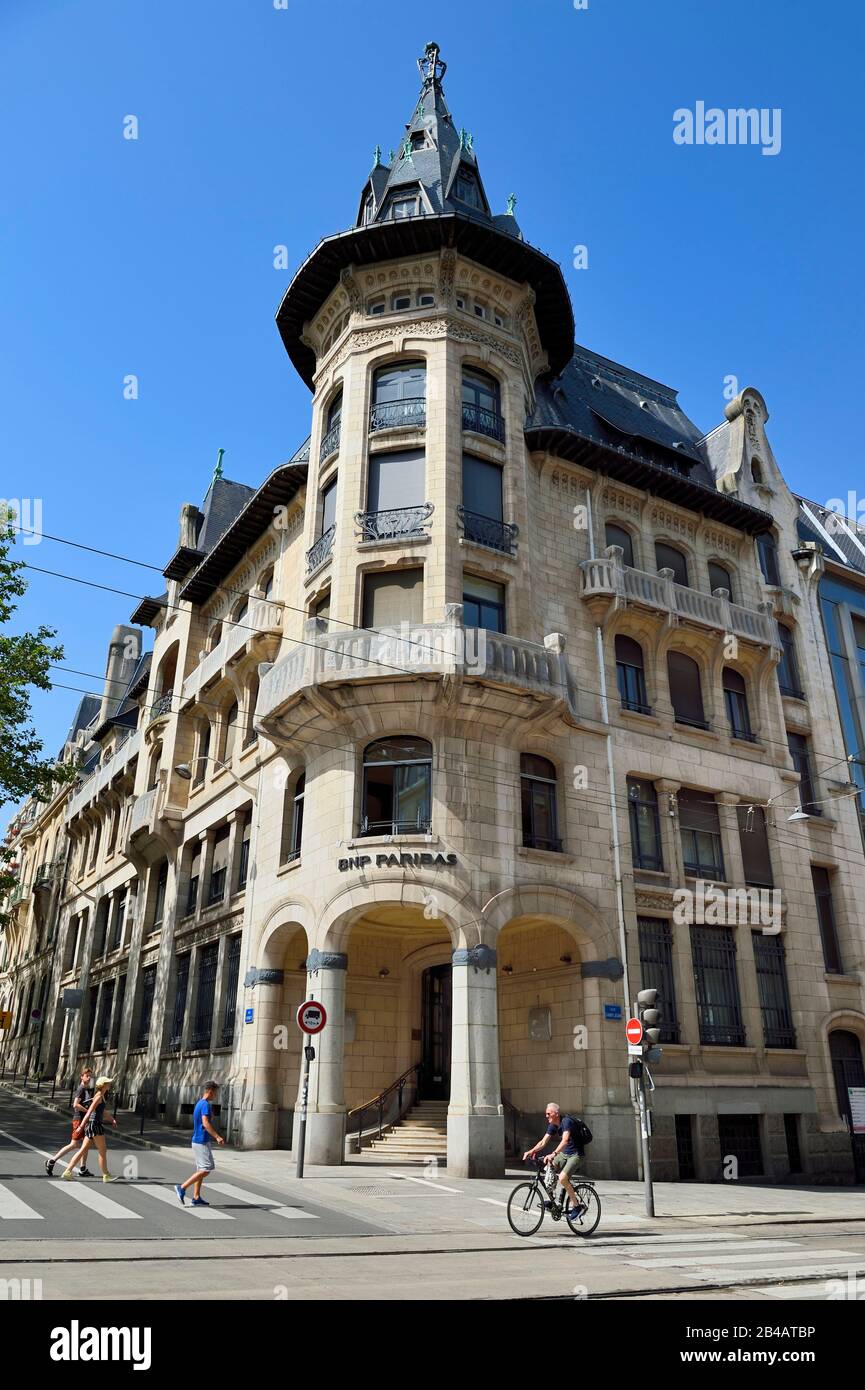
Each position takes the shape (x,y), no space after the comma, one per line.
(614,823)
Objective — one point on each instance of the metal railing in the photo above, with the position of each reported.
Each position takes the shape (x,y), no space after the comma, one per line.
(482,421)
(487,530)
(161,706)
(391,415)
(420,825)
(397,1090)
(318,553)
(394,523)
(330,442)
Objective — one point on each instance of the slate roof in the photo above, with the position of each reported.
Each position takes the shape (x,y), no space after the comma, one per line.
(839,537)
(88,708)
(126,713)
(607,416)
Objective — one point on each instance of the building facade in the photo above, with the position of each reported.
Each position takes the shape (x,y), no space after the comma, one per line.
(471,721)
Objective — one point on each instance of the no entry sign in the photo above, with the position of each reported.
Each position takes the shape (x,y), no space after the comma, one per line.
(634,1030)
(311,1016)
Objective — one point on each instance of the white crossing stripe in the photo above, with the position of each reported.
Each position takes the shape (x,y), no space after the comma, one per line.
(832,1271)
(95,1200)
(164,1194)
(439,1186)
(13,1209)
(265,1204)
(641,1254)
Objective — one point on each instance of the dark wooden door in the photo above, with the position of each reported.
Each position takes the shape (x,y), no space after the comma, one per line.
(848,1071)
(435,1077)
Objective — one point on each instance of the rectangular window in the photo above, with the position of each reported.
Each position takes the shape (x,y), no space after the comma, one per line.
(686,693)
(119,917)
(229,1016)
(482,487)
(826,917)
(243,864)
(700,829)
(328,507)
(770,962)
(754,841)
(219,866)
(397,480)
(203,1022)
(788,667)
(118,1011)
(645,825)
(175,1037)
(739,1138)
(92,1018)
(392,598)
(101,927)
(800,753)
(656,970)
(159,900)
(719,1011)
(194,878)
(105,1005)
(483,604)
(148,991)
(768,554)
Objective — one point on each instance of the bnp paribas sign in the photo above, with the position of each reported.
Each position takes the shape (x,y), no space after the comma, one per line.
(407,860)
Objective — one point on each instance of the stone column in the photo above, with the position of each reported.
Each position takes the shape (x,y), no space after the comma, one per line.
(258,1123)
(476,1132)
(325,1119)
(734,871)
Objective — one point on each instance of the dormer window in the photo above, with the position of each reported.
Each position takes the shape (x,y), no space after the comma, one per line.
(376,306)
(401,301)
(418,140)
(403,207)
(467,191)
(426,299)
(480,311)
(368,209)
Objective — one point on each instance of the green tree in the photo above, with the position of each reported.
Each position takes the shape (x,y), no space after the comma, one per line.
(25,660)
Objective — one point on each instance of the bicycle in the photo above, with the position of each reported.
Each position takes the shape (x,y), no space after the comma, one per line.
(527,1204)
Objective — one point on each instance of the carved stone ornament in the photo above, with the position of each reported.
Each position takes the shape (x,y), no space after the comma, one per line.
(481,957)
(325,960)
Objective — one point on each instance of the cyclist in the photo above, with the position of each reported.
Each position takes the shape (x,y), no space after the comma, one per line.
(566,1159)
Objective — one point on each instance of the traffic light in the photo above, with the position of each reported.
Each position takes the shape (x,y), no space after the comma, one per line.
(650,1017)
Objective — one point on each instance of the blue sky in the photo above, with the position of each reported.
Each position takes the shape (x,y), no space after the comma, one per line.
(256,128)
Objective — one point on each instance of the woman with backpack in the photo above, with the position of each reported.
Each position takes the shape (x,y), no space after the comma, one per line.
(94,1132)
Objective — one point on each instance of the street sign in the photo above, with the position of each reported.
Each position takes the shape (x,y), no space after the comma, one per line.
(612,1011)
(635,1049)
(311,1016)
(634,1030)
(857,1108)
(249,1015)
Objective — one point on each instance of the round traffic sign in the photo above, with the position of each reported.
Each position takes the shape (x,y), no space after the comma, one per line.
(311,1016)
(634,1030)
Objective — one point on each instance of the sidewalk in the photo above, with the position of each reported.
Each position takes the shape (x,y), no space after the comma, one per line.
(406,1198)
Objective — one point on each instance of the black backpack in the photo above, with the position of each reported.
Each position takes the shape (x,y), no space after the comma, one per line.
(583,1134)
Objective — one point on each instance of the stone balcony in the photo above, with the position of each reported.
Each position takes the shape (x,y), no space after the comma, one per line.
(477,670)
(607,584)
(152,820)
(260,631)
(93,786)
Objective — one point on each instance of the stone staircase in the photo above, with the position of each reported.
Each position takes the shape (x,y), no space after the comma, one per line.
(421,1133)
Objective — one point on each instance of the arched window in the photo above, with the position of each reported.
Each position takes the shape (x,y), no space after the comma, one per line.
(249,734)
(685,690)
(719,578)
(155,760)
(230,732)
(631,676)
(399,396)
(617,535)
(789,680)
(736,700)
(333,419)
(482,409)
(538,803)
(265,583)
(667,557)
(846,1053)
(397,787)
(292,818)
(757,472)
(241,611)
(214,637)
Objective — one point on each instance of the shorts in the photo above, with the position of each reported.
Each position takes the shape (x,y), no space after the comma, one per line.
(93,1129)
(567,1163)
(203,1155)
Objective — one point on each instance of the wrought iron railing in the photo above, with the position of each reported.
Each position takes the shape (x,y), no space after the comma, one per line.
(391,414)
(392,1099)
(481,421)
(318,553)
(486,530)
(161,706)
(394,522)
(420,825)
(330,442)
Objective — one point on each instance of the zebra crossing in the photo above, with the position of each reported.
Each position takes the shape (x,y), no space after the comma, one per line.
(46,1197)
(731,1259)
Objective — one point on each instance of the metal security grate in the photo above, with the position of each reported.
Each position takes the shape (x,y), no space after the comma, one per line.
(656,971)
(771,964)
(718,1007)
(739,1137)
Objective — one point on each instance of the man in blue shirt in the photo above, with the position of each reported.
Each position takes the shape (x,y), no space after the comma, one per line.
(569,1154)
(203,1135)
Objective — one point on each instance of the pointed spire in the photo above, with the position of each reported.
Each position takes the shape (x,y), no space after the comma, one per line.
(217,472)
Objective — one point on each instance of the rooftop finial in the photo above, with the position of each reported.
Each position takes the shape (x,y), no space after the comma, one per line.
(376,157)
(217,472)
(430,66)
(512,202)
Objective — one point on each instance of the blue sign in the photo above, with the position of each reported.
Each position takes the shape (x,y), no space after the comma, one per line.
(612,1011)
(249,1015)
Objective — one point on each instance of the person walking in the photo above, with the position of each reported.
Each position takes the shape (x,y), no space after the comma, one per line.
(94,1130)
(83,1097)
(203,1135)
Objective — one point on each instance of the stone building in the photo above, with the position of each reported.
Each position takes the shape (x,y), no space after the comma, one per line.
(453,723)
